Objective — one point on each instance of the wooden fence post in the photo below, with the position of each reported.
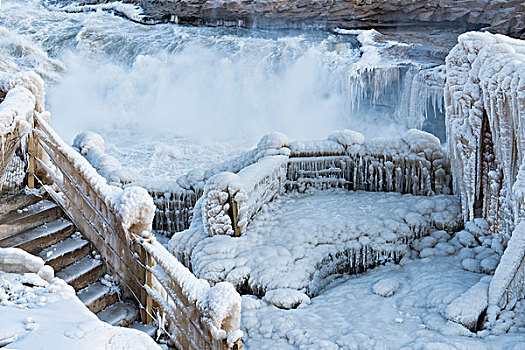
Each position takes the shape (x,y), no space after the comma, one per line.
(147,300)
(234,216)
(237,345)
(31,156)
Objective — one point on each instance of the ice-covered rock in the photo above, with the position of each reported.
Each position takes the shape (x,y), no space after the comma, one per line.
(286,298)
(386,287)
(466,239)
(489,264)
(471,264)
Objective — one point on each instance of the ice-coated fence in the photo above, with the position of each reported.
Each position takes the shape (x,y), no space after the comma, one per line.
(20,95)
(231,200)
(414,164)
(199,316)
(118,223)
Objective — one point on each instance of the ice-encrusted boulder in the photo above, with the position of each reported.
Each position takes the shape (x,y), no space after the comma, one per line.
(386,287)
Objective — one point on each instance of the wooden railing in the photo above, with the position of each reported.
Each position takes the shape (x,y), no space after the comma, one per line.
(118,223)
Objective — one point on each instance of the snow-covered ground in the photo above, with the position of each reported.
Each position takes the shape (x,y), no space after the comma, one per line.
(39,311)
(348,315)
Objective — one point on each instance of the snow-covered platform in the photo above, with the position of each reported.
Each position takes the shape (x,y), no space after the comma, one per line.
(299,240)
(349,315)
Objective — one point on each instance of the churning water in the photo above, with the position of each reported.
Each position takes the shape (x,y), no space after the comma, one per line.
(169,98)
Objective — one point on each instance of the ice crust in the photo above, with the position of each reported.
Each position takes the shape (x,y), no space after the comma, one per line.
(290,243)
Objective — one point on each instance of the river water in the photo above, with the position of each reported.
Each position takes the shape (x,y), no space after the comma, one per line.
(168,99)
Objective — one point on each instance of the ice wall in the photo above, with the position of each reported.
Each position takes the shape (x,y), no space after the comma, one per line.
(485,114)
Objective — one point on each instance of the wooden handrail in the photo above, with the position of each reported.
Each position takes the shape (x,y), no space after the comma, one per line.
(91,204)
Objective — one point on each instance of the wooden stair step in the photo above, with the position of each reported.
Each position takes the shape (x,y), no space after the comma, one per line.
(119,314)
(41,237)
(149,329)
(98,296)
(82,273)
(17,201)
(21,220)
(65,253)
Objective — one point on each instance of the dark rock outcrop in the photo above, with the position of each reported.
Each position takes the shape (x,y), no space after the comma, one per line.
(502,16)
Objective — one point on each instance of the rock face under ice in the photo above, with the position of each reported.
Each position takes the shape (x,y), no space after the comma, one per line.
(485,116)
(299,240)
(349,14)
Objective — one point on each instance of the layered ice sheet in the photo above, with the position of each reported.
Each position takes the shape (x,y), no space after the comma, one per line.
(298,240)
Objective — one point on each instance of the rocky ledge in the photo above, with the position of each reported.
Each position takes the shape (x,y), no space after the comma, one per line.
(502,16)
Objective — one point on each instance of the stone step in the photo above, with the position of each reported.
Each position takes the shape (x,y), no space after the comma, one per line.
(119,314)
(82,273)
(98,296)
(65,253)
(34,215)
(35,240)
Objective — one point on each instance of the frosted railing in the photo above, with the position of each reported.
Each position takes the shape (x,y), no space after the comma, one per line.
(175,200)
(114,220)
(231,200)
(20,95)
(414,164)
(198,316)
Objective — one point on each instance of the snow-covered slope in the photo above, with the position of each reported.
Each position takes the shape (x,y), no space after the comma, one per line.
(39,311)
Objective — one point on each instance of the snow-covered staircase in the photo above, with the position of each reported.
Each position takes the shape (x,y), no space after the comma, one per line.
(38,226)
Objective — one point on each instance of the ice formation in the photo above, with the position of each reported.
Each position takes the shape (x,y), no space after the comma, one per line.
(290,243)
(470,306)
(485,108)
(485,115)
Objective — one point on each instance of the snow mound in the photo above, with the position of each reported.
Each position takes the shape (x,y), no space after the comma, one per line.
(286,298)
(19,261)
(347,137)
(274,140)
(386,287)
(88,140)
